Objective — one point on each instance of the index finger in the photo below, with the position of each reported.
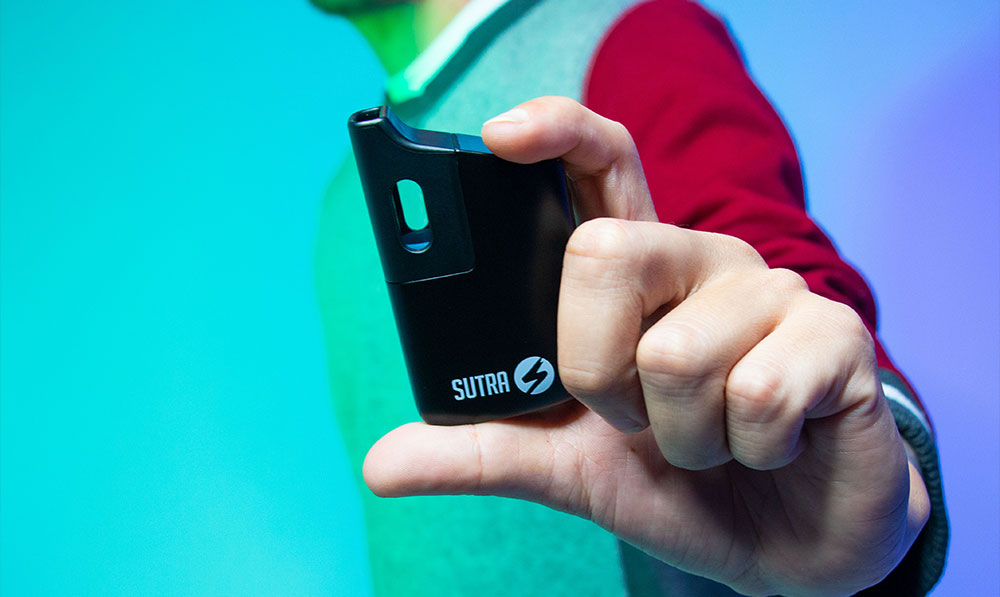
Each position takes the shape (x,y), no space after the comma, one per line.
(598,154)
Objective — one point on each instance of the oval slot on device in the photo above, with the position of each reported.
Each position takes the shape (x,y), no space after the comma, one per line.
(411,212)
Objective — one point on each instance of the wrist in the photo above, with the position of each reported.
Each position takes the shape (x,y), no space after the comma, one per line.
(919,509)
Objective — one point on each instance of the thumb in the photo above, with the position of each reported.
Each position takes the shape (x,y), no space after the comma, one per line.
(526,461)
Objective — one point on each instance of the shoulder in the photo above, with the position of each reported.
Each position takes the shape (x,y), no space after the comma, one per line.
(658,45)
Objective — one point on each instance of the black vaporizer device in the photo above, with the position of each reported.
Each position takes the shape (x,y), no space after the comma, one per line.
(474,286)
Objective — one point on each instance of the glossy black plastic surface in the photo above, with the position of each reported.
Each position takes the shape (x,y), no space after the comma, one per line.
(476,310)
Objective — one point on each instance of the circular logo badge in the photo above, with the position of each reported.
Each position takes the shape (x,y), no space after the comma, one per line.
(534,375)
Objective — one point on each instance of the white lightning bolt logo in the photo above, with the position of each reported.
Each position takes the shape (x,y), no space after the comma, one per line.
(534,375)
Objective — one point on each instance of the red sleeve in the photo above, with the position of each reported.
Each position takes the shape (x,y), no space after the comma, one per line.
(716,155)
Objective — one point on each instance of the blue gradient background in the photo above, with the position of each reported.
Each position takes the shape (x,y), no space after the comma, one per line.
(165,425)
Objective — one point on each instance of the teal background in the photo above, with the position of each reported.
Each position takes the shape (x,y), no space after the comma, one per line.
(165,421)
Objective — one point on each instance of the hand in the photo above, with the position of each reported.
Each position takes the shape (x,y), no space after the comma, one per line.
(732,423)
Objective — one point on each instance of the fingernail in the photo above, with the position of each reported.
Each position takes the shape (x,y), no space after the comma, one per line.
(628,425)
(515,116)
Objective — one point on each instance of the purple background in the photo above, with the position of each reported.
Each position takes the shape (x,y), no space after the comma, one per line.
(895,107)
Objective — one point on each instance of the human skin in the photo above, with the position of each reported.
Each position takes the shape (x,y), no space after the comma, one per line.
(728,421)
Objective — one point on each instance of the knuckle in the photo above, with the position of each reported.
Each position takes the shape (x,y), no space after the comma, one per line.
(848,324)
(755,393)
(676,350)
(758,418)
(621,136)
(741,250)
(786,281)
(604,239)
